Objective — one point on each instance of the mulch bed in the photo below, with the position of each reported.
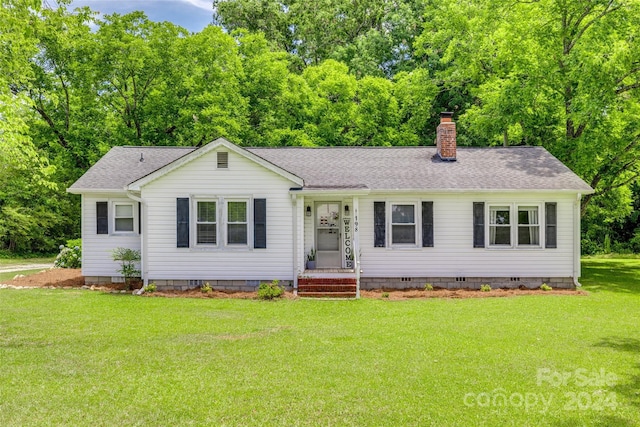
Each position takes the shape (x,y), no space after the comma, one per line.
(72,278)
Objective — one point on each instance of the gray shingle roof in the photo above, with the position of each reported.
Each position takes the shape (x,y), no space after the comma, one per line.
(375,168)
(121,166)
(419,168)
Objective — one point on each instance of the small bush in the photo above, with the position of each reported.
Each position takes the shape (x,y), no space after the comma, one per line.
(151,287)
(206,288)
(546,287)
(428,287)
(128,259)
(69,257)
(485,288)
(269,291)
(385,295)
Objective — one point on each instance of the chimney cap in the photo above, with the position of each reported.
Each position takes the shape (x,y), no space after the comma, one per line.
(446,115)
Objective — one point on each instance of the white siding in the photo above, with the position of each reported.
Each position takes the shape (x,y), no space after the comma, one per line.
(201,178)
(453,254)
(97,248)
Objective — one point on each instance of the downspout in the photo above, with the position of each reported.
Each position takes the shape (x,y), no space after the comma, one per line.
(294,209)
(576,241)
(143,243)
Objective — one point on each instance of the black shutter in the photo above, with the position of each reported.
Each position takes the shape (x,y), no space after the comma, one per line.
(427,224)
(551,234)
(102,217)
(259,223)
(182,215)
(139,218)
(478,224)
(379,224)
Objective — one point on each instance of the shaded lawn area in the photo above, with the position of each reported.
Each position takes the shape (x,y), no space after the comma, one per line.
(81,358)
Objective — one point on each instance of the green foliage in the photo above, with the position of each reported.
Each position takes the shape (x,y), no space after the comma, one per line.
(428,287)
(151,287)
(311,256)
(546,287)
(269,291)
(69,256)
(607,244)
(128,259)
(561,74)
(206,288)
(385,295)
(485,288)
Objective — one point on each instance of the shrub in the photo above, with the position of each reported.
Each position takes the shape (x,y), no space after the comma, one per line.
(151,287)
(385,295)
(69,256)
(485,288)
(269,291)
(206,288)
(607,244)
(128,259)
(428,287)
(545,287)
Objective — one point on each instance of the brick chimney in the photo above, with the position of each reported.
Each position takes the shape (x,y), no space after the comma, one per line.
(446,137)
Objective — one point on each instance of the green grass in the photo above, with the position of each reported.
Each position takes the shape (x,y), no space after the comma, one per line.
(6,262)
(71,357)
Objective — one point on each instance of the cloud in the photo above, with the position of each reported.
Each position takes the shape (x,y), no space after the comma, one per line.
(201,4)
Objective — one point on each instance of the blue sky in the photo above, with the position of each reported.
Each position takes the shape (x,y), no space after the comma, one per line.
(193,15)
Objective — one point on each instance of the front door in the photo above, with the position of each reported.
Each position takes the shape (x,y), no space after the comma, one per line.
(328,235)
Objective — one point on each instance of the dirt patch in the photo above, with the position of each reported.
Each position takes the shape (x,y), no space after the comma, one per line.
(462,293)
(197,293)
(58,277)
(72,278)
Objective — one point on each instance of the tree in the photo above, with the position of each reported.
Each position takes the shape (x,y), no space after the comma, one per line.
(372,37)
(560,73)
(24,175)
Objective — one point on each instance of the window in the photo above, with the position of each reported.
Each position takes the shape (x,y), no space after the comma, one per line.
(206,223)
(403,224)
(237,223)
(528,226)
(513,224)
(499,225)
(123,217)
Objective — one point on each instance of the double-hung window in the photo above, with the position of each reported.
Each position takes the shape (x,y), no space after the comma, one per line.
(528,226)
(403,224)
(123,217)
(237,224)
(207,223)
(500,226)
(519,224)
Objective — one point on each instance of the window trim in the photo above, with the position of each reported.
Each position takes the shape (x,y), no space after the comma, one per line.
(194,220)
(514,225)
(416,223)
(133,217)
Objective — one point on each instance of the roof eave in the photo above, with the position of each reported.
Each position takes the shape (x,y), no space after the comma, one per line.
(95,190)
(483,190)
(331,191)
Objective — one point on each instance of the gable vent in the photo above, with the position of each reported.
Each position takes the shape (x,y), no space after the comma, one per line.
(223,160)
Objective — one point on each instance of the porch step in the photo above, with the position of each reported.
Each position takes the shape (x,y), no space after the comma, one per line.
(322,287)
(327,294)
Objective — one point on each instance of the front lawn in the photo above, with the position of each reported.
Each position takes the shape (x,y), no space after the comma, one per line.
(77,357)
